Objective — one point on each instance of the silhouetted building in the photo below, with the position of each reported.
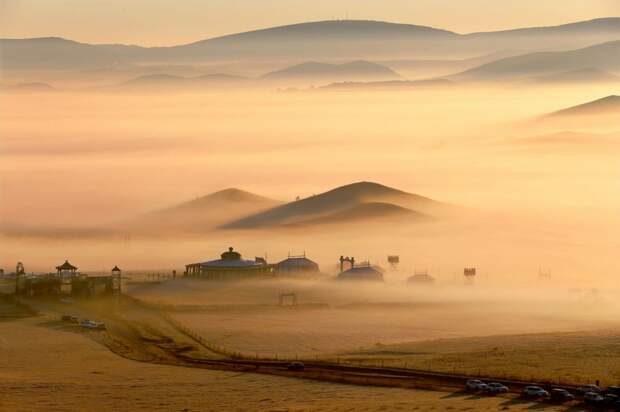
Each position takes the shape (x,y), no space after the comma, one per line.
(296,265)
(363,271)
(421,278)
(67,281)
(66,270)
(230,266)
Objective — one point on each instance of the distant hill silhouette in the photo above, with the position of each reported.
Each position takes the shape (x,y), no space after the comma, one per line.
(28,87)
(57,53)
(203,213)
(170,81)
(322,40)
(594,26)
(604,56)
(605,105)
(356,70)
(389,84)
(333,39)
(308,72)
(335,201)
(448,65)
(225,196)
(569,138)
(585,75)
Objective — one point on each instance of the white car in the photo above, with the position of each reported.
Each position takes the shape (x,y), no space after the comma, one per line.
(593,398)
(475,385)
(91,324)
(532,391)
(583,389)
(494,388)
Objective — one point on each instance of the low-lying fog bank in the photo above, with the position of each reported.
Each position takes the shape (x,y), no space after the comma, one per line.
(335,316)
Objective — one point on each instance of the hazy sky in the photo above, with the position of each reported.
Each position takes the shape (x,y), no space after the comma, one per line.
(166,22)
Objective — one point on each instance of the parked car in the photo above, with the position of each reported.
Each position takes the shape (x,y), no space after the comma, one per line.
(561,395)
(610,399)
(532,391)
(614,390)
(593,398)
(91,324)
(588,388)
(494,388)
(475,385)
(296,366)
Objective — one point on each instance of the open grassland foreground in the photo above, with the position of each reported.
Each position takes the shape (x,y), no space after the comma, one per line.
(138,331)
(40,373)
(54,366)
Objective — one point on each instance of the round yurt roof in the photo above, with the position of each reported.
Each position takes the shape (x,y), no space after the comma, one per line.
(297,261)
(362,273)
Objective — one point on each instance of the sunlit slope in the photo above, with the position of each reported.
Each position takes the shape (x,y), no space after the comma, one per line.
(203,213)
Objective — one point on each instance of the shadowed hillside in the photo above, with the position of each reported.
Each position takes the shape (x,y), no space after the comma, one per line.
(605,25)
(586,75)
(337,200)
(28,87)
(356,70)
(604,56)
(604,106)
(364,213)
(334,39)
(389,84)
(164,81)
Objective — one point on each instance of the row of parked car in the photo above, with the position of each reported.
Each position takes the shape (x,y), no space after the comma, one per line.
(492,388)
(608,398)
(84,323)
(593,395)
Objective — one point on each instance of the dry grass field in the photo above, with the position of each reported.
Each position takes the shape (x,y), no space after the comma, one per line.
(472,331)
(44,369)
(571,357)
(310,332)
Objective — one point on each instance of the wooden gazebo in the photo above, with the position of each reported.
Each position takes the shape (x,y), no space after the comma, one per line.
(66,269)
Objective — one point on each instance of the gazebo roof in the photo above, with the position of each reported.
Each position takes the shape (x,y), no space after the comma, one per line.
(115,269)
(66,266)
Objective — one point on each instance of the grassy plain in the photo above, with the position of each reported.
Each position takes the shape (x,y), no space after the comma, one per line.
(45,369)
(571,336)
